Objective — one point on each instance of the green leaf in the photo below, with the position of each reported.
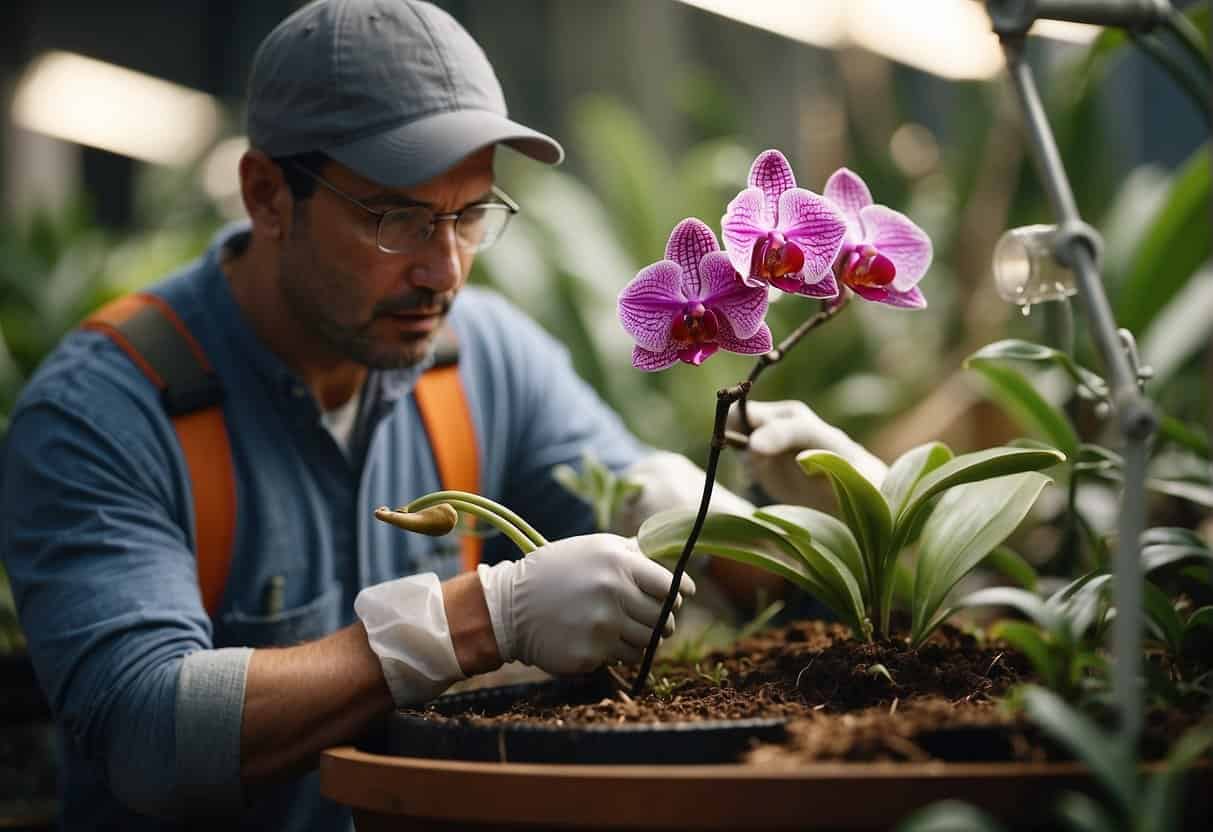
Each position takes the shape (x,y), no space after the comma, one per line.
(1010,564)
(970,520)
(974,467)
(730,536)
(1028,603)
(1080,602)
(1162,618)
(1175,535)
(1175,245)
(1192,437)
(1083,813)
(1034,644)
(826,531)
(863,507)
(1014,349)
(908,469)
(838,584)
(1163,795)
(1167,554)
(1104,755)
(950,816)
(1019,398)
(1200,619)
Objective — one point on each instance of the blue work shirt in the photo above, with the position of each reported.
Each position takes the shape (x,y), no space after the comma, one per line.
(97,532)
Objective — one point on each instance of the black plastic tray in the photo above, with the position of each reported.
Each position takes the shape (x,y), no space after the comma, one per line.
(409,733)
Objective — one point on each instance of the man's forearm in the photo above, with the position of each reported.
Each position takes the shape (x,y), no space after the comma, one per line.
(300,700)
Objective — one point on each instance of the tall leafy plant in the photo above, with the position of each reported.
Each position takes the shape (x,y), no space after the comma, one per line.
(953,510)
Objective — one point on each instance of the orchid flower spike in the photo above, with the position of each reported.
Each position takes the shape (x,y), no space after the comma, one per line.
(884,254)
(692,303)
(783,235)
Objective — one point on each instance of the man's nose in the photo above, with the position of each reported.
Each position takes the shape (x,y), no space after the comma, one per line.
(437,265)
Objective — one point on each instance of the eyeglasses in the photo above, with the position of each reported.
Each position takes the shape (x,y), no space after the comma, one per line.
(401,230)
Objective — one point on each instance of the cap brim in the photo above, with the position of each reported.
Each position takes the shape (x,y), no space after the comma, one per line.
(420,150)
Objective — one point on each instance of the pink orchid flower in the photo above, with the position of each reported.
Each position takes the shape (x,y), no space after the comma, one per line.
(689,305)
(884,254)
(783,235)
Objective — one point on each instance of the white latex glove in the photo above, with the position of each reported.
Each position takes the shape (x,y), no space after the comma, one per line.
(571,605)
(670,480)
(406,626)
(784,429)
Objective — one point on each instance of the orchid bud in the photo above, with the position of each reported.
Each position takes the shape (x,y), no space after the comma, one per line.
(434,521)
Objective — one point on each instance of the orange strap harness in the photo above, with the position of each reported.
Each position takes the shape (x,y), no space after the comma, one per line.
(155,338)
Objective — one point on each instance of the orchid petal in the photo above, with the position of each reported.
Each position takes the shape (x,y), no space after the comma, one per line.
(823,289)
(690,240)
(850,193)
(649,302)
(814,224)
(757,344)
(897,237)
(912,298)
(698,353)
(771,174)
(651,362)
(744,306)
(742,226)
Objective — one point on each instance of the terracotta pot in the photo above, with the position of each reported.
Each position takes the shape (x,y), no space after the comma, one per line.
(421,794)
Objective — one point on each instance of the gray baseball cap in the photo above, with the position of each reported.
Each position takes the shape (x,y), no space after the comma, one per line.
(395,90)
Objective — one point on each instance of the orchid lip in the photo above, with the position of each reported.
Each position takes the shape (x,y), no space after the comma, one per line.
(865,266)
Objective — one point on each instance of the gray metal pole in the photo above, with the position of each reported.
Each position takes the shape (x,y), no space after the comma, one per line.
(1078,246)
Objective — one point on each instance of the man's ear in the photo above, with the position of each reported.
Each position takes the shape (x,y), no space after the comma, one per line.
(266,196)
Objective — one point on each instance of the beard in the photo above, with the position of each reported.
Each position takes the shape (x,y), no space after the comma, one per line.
(322,298)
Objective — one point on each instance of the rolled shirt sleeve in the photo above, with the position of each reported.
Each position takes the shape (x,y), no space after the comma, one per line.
(96,528)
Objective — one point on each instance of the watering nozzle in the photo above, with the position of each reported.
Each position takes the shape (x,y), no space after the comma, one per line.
(1026,270)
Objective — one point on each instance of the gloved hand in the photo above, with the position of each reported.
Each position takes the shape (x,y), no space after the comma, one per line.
(784,429)
(571,605)
(670,480)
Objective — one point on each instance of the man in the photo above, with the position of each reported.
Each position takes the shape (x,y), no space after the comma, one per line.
(369,188)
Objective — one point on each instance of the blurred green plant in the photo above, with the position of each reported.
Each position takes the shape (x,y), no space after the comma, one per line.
(1127,800)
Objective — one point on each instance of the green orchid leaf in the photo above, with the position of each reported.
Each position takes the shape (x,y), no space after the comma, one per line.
(839,586)
(1162,619)
(1019,398)
(1080,602)
(1027,603)
(908,469)
(1014,349)
(974,467)
(969,521)
(1033,643)
(742,539)
(1192,437)
(1200,619)
(826,531)
(1104,755)
(1175,535)
(1161,555)
(1193,492)
(1010,564)
(950,816)
(1174,246)
(1162,801)
(863,507)
(1083,813)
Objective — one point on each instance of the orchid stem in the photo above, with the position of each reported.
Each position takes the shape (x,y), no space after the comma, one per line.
(828,311)
(724,398)
(495,508)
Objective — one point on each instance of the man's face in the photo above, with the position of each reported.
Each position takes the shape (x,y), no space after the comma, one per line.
(363,305)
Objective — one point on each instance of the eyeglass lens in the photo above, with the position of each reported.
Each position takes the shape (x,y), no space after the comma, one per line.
(477,227)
